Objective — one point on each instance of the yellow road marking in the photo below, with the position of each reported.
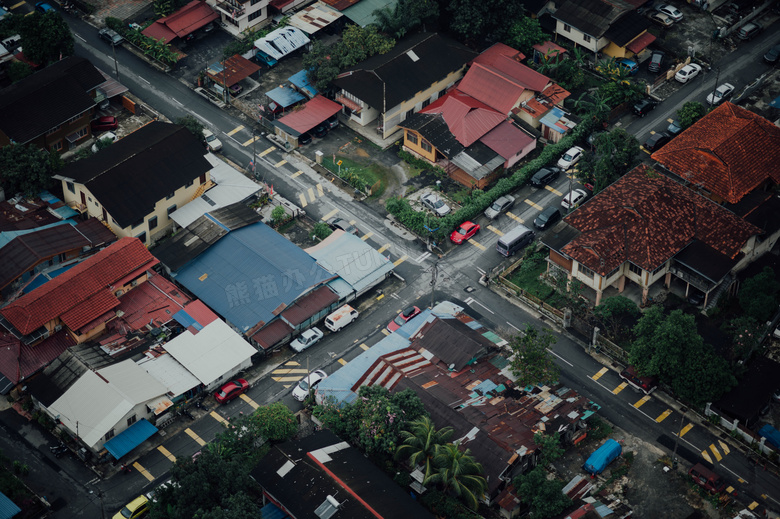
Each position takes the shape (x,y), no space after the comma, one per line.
(303,199)
(165,452)
(663,416)
(477,245)
(740,480)
(342,362)
(249,401)
(490,227)
(385,331)
(533,204)
(753,505)
(762,495)
(367,236)
(670,120)
(266,152)
(320,192)
(365,348)
(287,379)
(311,195)
(600,374)
(724,447)
(143,471)
(236,130)
(280,163)
(706,456)
(332,213)
(352,222)
(292,363)
(16,5)
(715,452)
(296,174)
(553,190)
(652,132)
(686,429)
(253,139)
(195,437)
(620,388)
(28,14)
(730,490)
(288,371)
(642,401)
(514,217)
(380,297)
(218,417)
(400,260)
(383,248)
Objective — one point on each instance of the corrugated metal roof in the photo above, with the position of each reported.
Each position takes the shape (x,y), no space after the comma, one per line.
(8,508)
(7,236)
(301,81)
(182,22)
(313,113)
(314,17)
(171,374)
(362,12)
(506,139)
(130,438)
(340,287)
(212,352)
(272,333)
(281,42)
(250,275)
(232,70)
(467,118)
(284,96)
(309,305)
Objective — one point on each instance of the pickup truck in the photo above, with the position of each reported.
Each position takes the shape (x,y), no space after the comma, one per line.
(501,205)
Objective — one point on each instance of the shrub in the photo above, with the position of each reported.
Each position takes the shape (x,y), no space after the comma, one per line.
(321,231)
(278,214)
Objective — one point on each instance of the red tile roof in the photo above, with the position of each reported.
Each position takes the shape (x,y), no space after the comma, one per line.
(507,61)
(74,294)
(550,49)
(186,20)
(498,51)
(646,218)
(467,118)
(729,152)
(18,364)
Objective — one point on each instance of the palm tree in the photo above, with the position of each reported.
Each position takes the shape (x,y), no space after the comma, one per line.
(421,441)
(458,472)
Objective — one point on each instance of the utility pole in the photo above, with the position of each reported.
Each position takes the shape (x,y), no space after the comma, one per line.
(677,440)
(715,87)
(434,273)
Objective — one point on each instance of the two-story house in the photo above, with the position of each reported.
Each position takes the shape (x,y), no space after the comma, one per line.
(51,108)
(135,184)
(237,16)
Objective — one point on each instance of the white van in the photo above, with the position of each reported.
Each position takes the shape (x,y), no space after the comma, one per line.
(514,240)
(340,318)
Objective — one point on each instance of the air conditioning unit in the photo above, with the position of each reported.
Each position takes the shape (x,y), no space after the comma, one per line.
(118,293)
(58,328)
(134,283)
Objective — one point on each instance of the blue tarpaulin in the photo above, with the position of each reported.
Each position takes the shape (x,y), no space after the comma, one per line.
(284,96)
(130,438)
(771,434)
(599,460)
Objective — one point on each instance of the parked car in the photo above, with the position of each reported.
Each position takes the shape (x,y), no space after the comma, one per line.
(656,61)
(644,107)
(301,391)
(501,205)
(135,508)
(748,31)
(307,339)
(321,130)
(333,121)
(645,384)
(664,20)
(102,124)
(687,73)
(212,142)
(44,7)
(656,141)
(573,198)
(570,158)
(674,127)
(547,218)
(464,232)
(403,317)
(631,67)
(695,297)
(772,54)
(340,223)
(707,479)
(109,137)
(111,36)
(670,11)
(304,139)
(721,93)
(342,317)
(435,204)
(544,176)
(231,390)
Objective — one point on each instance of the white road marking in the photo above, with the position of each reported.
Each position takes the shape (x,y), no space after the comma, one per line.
(472,300)
(421,257)
(564,360)
(513,326)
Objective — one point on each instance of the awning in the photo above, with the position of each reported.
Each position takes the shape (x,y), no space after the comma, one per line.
(352,105)
(111,87)
(285,96)
(130,438)
(640,43)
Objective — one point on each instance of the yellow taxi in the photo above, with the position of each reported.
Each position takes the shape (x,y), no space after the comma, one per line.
(135,508)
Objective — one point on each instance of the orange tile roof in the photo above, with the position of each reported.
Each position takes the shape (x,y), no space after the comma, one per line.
(729,152)
(646,218)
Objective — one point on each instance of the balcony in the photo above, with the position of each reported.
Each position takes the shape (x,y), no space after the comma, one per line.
(234,10)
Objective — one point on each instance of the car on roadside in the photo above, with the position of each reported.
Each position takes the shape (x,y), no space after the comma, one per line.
(570,158)
(748,31)
(501,205)
(104,124)
(108,137)
(644,107)
(644,384)
(435,204)
(720,94)
(340,223)
(656,61)
(307,339)
(212,142)
(321,130)
(111,36)
(657,141)
(664,20)
(575,197)
(674,127)
(134,509)
(231,390)
(547,218)
(403,317)
(670,11)
(44,7)
(545,175)
(464,232)
(772,54)
(630,67)
(301,390)
(687,73)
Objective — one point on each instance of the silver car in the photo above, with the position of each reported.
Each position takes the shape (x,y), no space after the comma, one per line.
(307,339)
(501,205)
(435,204)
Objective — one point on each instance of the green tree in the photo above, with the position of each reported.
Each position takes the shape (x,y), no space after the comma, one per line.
(405,16)
(690,112)
(593,104)
(617,315)
(746,334)
(192,124)
(278,214)
(524,33)
(620,91)
(420,441)
(480,19)
(275,422)
(758,295)
(550,446)
(544,496)
(531,362)
(18,70)
(615,155)
(46,37)
(321,230)
(28,169)
(459,473)
(163,8)
(105,142)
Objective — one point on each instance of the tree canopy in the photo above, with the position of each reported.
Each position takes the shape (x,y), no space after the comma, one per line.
(28,169)
(758,295)
(483,20)
(524,33)
(550,446)
(459,473)
(192,124)
(420,443)
(531,362)
(617,315)
(45,37)
(405,16)
(690,112)
(615,155)
(543,495)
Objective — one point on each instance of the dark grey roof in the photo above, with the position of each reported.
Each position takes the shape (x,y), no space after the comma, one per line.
(706,261)
(593,17)
(753,392)
(308,479)
(478,160)
(759,208)
(129,177)
(57,378)
(626,28)
(452,342)
(399,75)
(434,129)
(560,236)
(48,98)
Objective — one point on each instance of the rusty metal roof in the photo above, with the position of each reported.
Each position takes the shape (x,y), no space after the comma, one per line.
(307,306)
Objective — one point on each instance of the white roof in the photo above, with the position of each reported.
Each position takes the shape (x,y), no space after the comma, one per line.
(232,187)
(314,17)
(170,373)
(96,402)
(212,352)
(281,42)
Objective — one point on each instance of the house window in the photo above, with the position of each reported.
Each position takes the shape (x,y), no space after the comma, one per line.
(71,187)
(257,14)
(171,209)
(152,222)
(142,237)
(411,137)
(408,114)
(202,178)
(53,130)
(585,271)
(131,420)
(188,184)
(170,195)
(586,38)
(614,271)
(230,20)
(426,103)
(82,133)
(659,269)
(136,224)
(633,268)
(57,146)
(425,145)
(109,434)
(566,28)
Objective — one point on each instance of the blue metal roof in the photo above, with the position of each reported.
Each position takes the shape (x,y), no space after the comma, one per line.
(8,508)
(251,273)
(271,511)
(551,118)
(301,80)
(285,96)
(186,320)
(130,438)
(64,211)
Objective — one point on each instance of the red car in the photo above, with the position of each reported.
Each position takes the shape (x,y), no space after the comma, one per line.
(404,316)
(231,390)
(102,124)
(464,232)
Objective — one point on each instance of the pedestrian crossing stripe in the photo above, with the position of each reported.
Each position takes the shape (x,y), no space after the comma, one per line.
(320,191)
(514,217)
(553,190)
(724,447)
(533,204)
(137,466)
(280,163)
(365,348)
(384,330)
(352,222)
(706,456)
(715,452)
(477,245)
(192,434)
(600,374)
(490,227)
(342,362)
(287,379)
(367,236)
(620,388)
(686,429)
(642,401)
(400,260)
(235,130)
(753,505)
(249,401)
(165,452)
(663,416)
(218,417)
(266,152)
(383,248)
(311,195)
(250,141)
(296,174)
(381,296)
(302,198)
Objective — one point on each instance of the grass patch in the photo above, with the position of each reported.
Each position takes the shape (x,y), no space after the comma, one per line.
(528,279)
(369,174)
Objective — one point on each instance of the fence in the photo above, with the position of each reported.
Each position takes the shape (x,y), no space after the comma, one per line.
(515,291)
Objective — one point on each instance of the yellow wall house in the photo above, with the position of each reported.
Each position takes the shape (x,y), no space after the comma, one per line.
(135,184)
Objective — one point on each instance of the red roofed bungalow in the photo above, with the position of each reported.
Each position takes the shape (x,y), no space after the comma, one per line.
(75,298)
(467,118)
(314,112)
(180,23)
